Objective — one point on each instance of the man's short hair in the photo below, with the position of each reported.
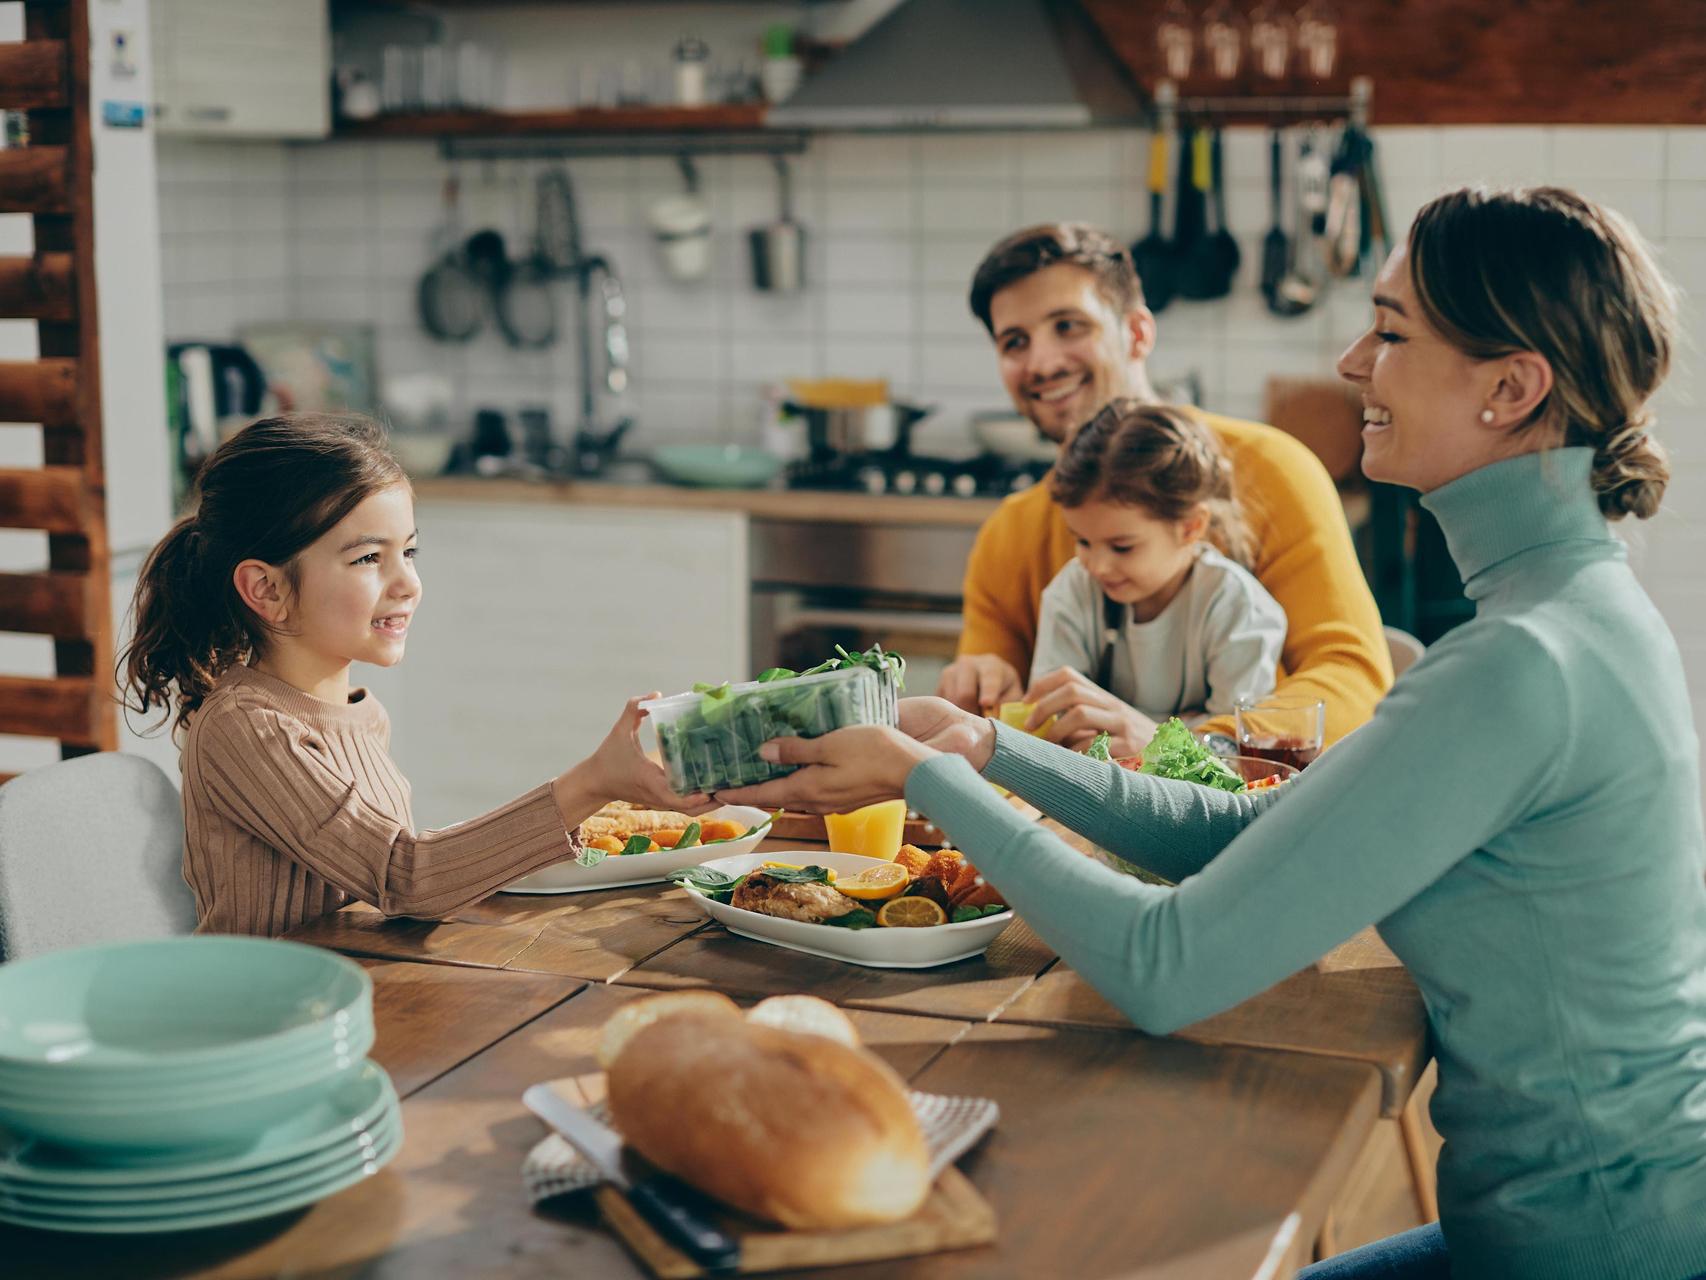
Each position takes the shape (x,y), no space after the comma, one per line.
(1049,244)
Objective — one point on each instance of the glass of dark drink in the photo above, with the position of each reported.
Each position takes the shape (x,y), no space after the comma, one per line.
(1291,730)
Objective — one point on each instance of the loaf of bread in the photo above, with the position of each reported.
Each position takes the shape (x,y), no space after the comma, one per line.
(791,1127)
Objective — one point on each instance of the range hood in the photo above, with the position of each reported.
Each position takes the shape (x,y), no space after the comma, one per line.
(970,64)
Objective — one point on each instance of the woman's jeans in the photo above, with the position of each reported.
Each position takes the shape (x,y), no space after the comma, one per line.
(1414,1255)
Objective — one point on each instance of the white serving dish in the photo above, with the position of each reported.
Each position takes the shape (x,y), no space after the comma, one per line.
(877,948)
(620,870)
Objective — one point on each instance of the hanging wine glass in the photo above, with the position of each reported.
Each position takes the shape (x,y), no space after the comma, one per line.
(1223,38)
(1270,39)
(1175,36)
(1318,38)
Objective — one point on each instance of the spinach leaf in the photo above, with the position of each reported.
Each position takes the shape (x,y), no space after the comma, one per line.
(1098,748)
(689,837)
(963,914)
(589,857)
(776,673)
(756,827)
(704,879)
(858,918)
(799,875)
(636,844)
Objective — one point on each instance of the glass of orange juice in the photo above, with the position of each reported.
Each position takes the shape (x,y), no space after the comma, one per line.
(873,831)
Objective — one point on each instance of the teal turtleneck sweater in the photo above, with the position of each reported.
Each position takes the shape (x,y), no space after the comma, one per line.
(1521,819)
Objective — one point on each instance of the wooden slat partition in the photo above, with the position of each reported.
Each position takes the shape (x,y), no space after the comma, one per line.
(52,498)
(32,75)
(43,391)
(35,180)
(51,178)
(64,707)
(56,603)
(41,287)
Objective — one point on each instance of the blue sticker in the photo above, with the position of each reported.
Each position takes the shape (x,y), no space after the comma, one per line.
(124,115)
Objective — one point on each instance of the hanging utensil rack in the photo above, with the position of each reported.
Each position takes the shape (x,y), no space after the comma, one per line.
(1353,107)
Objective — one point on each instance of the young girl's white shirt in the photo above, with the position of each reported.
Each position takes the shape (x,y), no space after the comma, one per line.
(1221,636)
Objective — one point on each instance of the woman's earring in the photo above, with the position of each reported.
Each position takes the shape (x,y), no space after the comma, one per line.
(1487,416)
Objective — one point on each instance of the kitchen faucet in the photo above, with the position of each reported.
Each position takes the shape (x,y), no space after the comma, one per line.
(592,448)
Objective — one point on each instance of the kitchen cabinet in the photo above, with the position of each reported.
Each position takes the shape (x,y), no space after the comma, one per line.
(241,68)
(538,621)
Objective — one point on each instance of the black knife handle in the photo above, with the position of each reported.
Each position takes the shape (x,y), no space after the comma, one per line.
(709,1246)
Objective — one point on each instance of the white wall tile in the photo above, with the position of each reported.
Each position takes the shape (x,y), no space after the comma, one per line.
(854,159)
(977,157)
(1082,158)
(1685,151)
(670,306)
(1408,153)
(863,358)
(1061,201)
(1497,155)
(966,364)
(772,359)
(870,207)
(946,313)
(952,260)
(794,315)
(869,259)
(1685,210)
(963,208)
(886,313)
(1606,152)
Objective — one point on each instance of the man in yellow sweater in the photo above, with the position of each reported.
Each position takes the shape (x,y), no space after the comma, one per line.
(1065,308)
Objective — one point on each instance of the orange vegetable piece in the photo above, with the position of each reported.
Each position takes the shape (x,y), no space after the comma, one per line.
(609,844)
(913,859)
(719,829)
(668,837)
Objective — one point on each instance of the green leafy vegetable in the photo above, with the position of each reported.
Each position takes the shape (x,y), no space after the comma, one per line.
(1174,752)
(714,744)
(1098,748)
(636,844)
(797,875)
(587,856)
(756,827)
(717,885)
(963,914)
(858,918)
(689,837)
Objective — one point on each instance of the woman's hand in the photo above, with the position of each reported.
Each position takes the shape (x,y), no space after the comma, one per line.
(979,680)
(1086,709)
(938,723)
(840,771)
(620,770)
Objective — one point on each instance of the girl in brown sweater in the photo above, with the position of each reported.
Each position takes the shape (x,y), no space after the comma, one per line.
(299,560)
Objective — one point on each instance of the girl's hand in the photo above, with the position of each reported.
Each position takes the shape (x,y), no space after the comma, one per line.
(1086,709)
(620,770)
(840,771)
(938,723)
(979,680)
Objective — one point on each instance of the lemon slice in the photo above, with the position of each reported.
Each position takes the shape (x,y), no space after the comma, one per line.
(794,866)
(910,913)
(874,884)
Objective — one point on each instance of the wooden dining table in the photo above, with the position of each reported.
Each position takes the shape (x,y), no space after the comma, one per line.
(1216,1153)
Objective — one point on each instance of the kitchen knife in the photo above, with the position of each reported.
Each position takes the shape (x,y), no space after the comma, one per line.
(655,1200)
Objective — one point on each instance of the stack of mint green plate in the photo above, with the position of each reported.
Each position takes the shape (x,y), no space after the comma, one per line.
(189,1082)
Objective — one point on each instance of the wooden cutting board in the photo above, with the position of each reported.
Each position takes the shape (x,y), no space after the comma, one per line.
(954,1217)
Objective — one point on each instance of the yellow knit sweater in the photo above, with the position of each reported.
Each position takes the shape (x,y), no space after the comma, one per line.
(1334,648)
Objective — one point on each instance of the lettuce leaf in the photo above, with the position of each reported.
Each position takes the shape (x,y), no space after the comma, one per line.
(1174,752)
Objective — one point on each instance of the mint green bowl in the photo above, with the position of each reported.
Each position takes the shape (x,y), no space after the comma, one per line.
(126,1011)
(716,466)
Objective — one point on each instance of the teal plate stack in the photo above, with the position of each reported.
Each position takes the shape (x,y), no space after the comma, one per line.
(184,1083)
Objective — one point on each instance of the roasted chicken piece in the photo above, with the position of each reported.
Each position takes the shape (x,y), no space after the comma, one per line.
(813,903)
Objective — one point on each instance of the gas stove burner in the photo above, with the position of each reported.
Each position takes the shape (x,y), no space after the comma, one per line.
(986,476)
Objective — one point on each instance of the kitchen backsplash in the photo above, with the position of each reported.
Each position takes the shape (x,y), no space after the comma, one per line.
(895,225)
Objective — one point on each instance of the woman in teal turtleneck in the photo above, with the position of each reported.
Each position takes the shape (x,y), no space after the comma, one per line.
(1521,818)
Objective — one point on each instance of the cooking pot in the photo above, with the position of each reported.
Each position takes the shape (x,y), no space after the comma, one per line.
(852,430)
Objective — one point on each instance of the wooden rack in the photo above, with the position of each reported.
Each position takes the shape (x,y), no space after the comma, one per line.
(46,75)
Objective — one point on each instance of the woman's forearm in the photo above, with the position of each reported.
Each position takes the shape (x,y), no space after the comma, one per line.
(1171,828)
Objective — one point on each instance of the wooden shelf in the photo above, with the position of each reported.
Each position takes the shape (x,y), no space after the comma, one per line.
(587,120)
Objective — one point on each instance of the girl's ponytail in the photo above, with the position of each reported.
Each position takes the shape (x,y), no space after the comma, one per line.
(265,494)
(183,632)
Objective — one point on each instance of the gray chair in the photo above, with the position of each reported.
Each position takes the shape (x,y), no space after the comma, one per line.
(91,850)
(1405,649)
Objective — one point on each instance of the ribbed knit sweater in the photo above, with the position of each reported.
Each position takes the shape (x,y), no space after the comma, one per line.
(293,807)
(1522,820)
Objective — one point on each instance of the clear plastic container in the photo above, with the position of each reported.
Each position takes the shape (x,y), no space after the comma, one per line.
(710,741)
